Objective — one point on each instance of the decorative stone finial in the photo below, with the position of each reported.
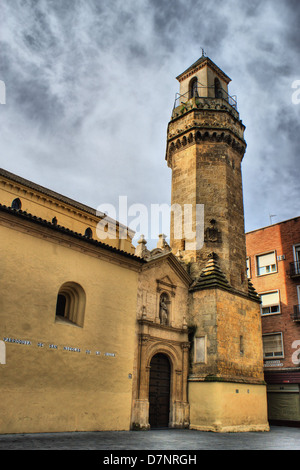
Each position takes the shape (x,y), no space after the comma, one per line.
(141,250)
(162,244)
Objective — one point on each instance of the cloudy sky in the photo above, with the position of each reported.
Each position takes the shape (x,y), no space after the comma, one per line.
(90,86)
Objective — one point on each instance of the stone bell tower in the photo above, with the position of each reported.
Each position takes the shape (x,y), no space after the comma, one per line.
(205,148)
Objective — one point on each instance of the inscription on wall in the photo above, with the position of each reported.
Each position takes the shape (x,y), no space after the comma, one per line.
(53,346)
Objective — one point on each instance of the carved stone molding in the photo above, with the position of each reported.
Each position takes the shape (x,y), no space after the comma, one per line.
(206,135)
(165,284)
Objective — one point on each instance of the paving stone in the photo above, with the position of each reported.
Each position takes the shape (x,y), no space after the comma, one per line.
(279,438)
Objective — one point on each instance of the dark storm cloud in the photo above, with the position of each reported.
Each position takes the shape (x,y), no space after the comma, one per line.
(291,17)
(91,85)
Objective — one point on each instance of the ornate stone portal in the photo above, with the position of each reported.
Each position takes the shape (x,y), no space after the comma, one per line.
(162,330)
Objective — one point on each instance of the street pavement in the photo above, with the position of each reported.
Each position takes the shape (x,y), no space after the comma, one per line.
(278,438)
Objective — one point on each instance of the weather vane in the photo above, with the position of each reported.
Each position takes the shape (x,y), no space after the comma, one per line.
(203,52)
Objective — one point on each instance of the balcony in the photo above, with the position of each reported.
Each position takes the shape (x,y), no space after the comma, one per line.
(204,97)
(296,315)
(295,269)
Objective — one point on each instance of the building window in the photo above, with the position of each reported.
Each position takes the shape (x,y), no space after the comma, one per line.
(266,264)
(297,259)
(193,88)
(70,304)
(200,349)
(272,345)
(248,268)
(88,233)
(270,303)
(16,204)
(218,89)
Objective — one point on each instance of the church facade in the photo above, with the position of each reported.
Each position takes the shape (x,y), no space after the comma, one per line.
(97,334)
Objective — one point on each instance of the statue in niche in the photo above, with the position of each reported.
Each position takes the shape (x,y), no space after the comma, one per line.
(212,234)
(164,309)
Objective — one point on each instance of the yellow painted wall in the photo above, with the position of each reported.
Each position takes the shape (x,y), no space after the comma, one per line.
(43,203)
(45,389)
(227,407)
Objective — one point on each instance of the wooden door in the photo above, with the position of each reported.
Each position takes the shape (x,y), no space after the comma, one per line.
(159,391)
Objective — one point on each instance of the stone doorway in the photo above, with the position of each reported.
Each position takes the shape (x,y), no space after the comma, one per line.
(159,391)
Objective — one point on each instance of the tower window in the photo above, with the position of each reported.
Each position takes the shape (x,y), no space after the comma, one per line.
(218,89)
(241,345)
(193,88)
(16,204)
(70,304)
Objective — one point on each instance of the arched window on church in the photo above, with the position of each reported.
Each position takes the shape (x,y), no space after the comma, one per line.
(70,304)
(193,88)
(16,204)
(218,89)
(61,305)
(88,233)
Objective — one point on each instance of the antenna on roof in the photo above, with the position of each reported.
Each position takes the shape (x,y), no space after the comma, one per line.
(271,216)
(203,52)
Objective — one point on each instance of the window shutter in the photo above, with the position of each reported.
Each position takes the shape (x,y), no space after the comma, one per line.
(271,298)
(272,345)
(266,260)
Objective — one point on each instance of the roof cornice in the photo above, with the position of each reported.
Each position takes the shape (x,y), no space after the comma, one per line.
(25,216)
(77,206)
(175,264)
(199,64)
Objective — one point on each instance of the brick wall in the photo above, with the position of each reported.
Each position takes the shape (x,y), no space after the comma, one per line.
(281,238)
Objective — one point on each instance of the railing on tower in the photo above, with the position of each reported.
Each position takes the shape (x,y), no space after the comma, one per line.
(201,94)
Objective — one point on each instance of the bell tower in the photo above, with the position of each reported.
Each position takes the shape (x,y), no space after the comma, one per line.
(205,149)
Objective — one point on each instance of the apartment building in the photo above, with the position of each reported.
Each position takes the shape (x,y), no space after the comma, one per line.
(273,266)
